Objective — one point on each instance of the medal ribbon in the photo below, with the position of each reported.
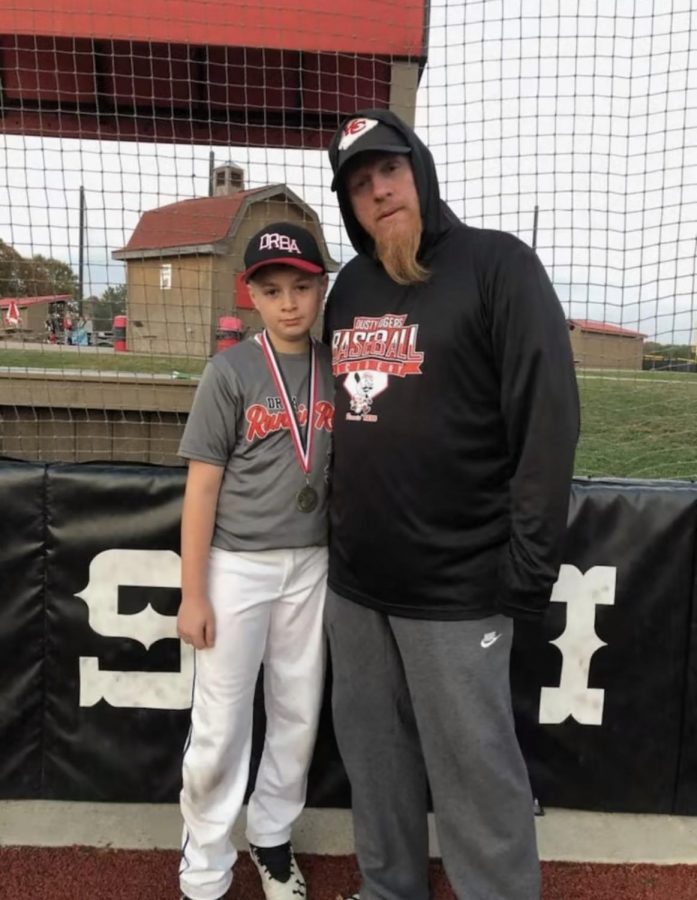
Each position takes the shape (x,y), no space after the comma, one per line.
(303,449)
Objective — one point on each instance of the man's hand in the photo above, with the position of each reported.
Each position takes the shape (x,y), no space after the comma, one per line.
(196,623)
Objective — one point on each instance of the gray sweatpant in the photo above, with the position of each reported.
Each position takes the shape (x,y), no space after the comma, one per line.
(420,702)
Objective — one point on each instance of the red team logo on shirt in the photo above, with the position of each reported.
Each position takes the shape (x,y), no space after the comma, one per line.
(261,422)
(369,353)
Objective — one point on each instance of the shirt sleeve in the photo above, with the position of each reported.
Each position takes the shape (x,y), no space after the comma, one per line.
(211,430)
(540,407)
(326,320)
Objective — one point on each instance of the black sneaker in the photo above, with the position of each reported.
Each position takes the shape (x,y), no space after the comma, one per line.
(281,878)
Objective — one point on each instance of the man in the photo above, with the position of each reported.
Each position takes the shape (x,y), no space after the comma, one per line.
(455,428)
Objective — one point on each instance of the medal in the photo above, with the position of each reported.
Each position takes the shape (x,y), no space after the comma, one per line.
(307,498)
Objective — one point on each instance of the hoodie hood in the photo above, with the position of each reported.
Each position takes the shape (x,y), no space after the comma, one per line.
(436,217)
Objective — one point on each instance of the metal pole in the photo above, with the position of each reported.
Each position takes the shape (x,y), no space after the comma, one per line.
(693,330)
(211,166)
(81,251)
(534,228)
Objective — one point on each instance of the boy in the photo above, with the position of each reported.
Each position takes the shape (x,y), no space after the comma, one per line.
(254,558)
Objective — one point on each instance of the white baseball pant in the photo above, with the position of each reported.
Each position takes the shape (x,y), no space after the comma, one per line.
(268,608)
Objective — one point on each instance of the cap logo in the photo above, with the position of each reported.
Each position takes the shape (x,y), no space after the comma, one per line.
(276,241)
(355,129)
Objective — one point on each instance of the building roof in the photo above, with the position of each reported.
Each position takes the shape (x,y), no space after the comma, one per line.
(187,223)
(604,328)
(204,225)
(34,301)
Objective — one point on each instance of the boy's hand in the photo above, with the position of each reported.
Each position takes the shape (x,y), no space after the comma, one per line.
(196,623)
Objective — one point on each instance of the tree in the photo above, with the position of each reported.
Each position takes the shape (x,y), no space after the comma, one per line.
(111,303)
(38,276)
(116,295)
(43,276)
(669,351)
(11,284)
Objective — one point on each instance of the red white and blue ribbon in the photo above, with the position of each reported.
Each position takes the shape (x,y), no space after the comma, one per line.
(303,448)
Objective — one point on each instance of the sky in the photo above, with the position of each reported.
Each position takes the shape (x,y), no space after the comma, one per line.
(586,109)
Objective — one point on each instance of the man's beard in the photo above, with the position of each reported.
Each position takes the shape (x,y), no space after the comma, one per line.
(396,248)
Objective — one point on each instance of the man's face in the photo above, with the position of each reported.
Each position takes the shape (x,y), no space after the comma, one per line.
(383,195)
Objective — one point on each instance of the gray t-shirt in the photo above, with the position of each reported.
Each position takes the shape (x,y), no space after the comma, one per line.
(237,421)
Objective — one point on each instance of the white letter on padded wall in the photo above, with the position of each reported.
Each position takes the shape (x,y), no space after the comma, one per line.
(149,690)
(581,593)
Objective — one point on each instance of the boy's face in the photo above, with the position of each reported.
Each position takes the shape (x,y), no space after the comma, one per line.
(288,301)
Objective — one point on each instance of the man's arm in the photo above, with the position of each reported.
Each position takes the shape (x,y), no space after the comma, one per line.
(539,403)
(195,621)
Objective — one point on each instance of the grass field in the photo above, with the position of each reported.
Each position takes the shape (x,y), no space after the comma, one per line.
(634,424)
(638,424)
(78,358)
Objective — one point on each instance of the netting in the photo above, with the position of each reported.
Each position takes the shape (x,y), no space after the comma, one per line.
(140,152)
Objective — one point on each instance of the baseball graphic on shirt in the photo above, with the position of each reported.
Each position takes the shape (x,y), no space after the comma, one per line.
(362,388)
(369,353)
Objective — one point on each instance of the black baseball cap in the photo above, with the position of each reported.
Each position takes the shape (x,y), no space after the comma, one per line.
(283,244)
(361,133)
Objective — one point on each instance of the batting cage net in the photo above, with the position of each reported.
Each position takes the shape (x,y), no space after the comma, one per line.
(143,145)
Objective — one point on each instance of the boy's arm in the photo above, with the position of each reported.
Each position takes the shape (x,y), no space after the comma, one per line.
(195,621)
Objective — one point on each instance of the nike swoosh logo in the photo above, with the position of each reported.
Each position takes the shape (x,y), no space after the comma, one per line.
(490,639)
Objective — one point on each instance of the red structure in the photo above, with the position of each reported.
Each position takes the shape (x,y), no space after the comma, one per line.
(230,331)
(34,316)
(11,317)
(25,302)
(268,72)
(119,328)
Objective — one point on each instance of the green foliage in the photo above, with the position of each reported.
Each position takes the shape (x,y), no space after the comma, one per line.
(116,294)
(38,276)
(669,351)
(111,303)
(11,284)
(43,276)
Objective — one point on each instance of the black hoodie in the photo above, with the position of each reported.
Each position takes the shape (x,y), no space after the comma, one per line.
(456,420)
